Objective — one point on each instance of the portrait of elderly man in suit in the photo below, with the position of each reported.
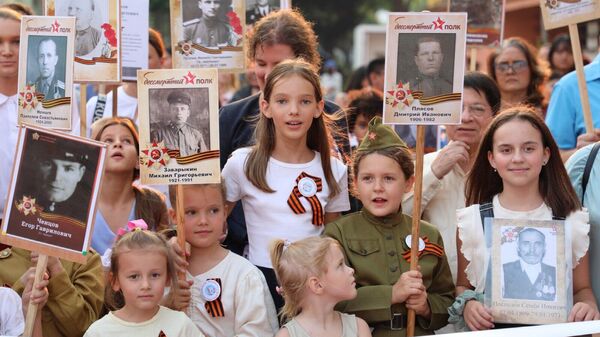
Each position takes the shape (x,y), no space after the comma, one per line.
(212,29)
(47,82)
(528,277)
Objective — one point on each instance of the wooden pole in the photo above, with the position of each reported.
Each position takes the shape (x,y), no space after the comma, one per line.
(114,101)
(82,110)
(32,309)
(473,61)
(180,224)
(583,92)
(416,218)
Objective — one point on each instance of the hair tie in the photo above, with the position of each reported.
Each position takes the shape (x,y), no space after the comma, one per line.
(286,244)
(133,225)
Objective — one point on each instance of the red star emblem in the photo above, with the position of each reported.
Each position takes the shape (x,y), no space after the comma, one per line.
(189,78)
(401,93)
(438,24)
(156,155)
(372,135)
(55,26)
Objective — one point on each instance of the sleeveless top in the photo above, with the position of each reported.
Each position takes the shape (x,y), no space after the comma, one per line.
(349,327)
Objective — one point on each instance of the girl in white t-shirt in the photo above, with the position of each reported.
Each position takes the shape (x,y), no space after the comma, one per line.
(141,267)
(314,277)
(289,183)
(519,172)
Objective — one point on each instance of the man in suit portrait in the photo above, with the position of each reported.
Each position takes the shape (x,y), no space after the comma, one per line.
(86,36)
(212,28)
(258,11)
(528,277)
(47,82)
(428,59)
(177,133)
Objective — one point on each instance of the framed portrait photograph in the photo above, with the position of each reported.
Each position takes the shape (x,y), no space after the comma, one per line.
(424,68)
(179,126)
(208,33)
(257,9)
(97,37)
(46,71)
(559,13)
(485,20)
(530,273)
(51,203)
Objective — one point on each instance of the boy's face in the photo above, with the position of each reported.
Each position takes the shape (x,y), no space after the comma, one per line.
(204,215)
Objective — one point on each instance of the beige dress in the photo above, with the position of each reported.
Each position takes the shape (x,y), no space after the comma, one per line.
(349,327)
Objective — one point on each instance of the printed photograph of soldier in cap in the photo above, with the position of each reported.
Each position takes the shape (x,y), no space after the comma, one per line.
(206,23)
(257,9)
(46,62)
(180,119)
(90,15)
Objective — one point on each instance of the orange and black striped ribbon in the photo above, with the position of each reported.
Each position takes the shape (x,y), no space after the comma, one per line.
(215,307)
(193,158)
(318,215)
(456,96)
(430,248)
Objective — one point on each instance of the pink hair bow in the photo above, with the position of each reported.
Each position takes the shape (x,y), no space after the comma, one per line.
(133,225)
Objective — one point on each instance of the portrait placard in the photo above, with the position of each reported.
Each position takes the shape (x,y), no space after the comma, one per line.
(51,203)
(135,22)
(208,34)
(257,9)
(559,13)
(97,37)
(485,20)
(530,276)
(179,126)
(424,68)
(46,71)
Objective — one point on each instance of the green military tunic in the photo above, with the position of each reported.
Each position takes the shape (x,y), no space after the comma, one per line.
(209,32)
(373,246)
(187,139)
(51,88)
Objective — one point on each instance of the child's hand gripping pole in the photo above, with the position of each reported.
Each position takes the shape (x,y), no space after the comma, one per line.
(32,309)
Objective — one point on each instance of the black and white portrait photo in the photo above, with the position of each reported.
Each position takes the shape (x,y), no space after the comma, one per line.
(180,119)
(90,15)
(206,23)
(257,9)
(46,60)
(426,61)
(529,273)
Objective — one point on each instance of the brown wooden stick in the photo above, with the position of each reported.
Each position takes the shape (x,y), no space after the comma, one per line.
(416,218)
(114,101)
(473,63)
(583,92)
(32,309)
(180,224)
(82,110)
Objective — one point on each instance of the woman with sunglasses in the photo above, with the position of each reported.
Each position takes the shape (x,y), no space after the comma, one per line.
(520,74)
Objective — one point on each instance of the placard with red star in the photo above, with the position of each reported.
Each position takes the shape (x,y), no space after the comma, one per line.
(155,155)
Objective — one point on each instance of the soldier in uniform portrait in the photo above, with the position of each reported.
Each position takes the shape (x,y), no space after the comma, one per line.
(177,134)
(428,59)
(528,277)
(212,29)
(258,11)
(47,83)
(86,37)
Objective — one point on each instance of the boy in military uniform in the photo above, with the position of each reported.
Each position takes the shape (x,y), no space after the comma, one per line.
(212,29)
(47,83)
(177,134)
(376,244)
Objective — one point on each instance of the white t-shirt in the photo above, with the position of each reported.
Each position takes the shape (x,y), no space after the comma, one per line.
(268,215)
(171,323)
(126,106)
(12,322)
(247,303)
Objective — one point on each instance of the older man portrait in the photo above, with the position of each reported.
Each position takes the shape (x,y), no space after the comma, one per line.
(428,59)
(86,37)
(47,82)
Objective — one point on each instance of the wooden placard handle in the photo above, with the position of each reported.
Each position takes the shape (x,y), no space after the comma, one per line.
(82,110)
(416,218)
(32,309)
(473,59)
(180,224)
(583,92)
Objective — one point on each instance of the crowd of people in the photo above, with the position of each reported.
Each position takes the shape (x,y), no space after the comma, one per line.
(306,235)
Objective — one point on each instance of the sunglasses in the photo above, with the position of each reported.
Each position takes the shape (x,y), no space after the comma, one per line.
(516,66)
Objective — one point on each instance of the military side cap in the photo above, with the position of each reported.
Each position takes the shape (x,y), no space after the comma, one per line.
(179,97)
(66,152)
(380,136)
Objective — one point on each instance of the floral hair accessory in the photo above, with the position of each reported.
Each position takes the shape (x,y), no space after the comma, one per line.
(133,225)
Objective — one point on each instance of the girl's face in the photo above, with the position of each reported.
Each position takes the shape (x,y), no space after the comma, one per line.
(9,48)
(361,126)
(154,60)
(518,154)
(292,106)
(122,154)
(562,58)
(204,220)
(268,56)
(512,70)
(380,184)
(142,278)
(475,117)
(338,280)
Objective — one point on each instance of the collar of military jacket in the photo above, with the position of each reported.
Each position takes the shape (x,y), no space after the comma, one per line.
(386,221)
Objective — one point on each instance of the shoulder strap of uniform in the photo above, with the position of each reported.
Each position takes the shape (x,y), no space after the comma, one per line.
(487,211)
(588,169)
